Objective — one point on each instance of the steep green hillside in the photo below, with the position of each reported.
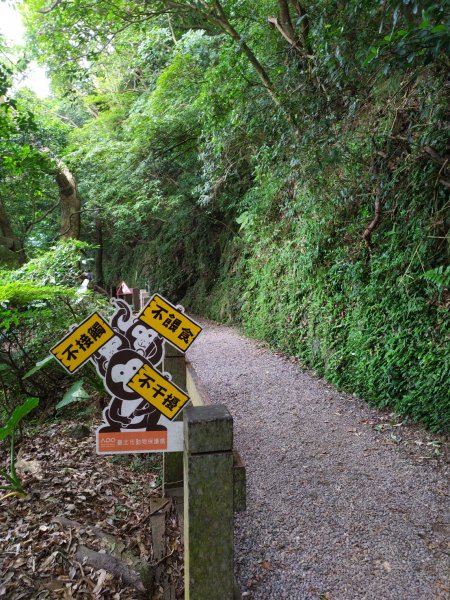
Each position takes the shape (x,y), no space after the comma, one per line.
(278,165)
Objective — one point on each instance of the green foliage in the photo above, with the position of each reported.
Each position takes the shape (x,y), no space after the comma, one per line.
(298,189)
(28,193)
(416,42)
(75,393)
(38,366)
(440,276)
(34,315)
(23,293)
(61,265)
(18,414)
(14,485)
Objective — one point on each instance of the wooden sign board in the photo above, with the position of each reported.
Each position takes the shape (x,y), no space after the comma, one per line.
(140,442)
(77,347)
(158,391)
(128,354)
(170,322)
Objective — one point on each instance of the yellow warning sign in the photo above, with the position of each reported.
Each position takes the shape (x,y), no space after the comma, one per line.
(81,343)
(172,324)
(159,391)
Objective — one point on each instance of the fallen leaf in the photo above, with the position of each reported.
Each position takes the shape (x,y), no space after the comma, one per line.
(100,581)
(266,565)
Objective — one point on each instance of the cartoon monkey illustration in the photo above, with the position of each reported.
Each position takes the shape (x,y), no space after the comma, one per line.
(134,345)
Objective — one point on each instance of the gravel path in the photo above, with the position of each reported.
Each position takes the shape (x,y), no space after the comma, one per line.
(338,506)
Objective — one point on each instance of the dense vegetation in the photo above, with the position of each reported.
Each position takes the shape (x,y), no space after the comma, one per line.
(277,164)
(38,302)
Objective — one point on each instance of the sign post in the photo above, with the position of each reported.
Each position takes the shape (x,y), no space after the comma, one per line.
(128,354)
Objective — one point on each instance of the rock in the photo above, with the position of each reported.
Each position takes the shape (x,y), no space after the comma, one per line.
(79,431)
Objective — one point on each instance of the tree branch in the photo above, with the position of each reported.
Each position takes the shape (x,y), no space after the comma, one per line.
(45,11)
(367,235)
(305,21)
(274,21)
(36,221)
(284,25)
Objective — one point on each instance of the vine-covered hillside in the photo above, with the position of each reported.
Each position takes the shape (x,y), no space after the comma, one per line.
(282,165)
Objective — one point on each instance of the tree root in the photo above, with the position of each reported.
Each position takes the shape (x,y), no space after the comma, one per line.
(117,560)
(111,564)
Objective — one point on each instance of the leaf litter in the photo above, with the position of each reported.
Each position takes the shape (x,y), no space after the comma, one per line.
(66,479)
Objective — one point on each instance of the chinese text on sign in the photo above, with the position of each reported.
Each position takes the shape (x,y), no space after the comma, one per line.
(172,324)
(159,391)
(81,343)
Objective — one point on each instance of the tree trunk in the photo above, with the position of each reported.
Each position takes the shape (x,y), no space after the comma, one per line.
(70,205)
(215,15)
(301,12)
(226,26)
(222,21)
(284,25)
(99,255)
(285,21)
(9,239)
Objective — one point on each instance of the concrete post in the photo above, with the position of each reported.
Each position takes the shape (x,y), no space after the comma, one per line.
(136,299)
(174,363)
(208,503)
(144,297)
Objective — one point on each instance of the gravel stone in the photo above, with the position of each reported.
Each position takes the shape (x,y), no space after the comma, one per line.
(335,509)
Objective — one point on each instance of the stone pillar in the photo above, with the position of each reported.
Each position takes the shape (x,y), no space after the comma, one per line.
(144,297)
(136,293)
(174,363)
(208,503)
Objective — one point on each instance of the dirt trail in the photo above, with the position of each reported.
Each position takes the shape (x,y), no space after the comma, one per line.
(343,502)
